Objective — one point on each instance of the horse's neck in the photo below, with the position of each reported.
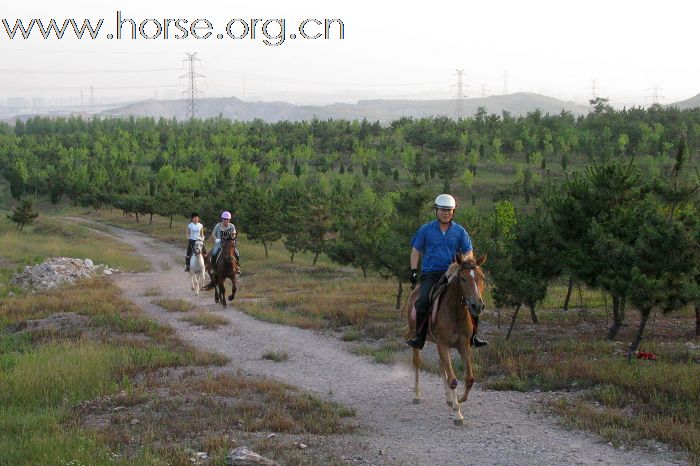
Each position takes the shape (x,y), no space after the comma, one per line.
(197,262)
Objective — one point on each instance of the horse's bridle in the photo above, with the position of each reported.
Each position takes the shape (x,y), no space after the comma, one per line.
(228,258)
(475,305)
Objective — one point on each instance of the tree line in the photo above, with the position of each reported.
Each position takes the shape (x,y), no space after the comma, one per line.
(624,222)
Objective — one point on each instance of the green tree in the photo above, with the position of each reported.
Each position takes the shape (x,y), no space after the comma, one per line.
(23,214)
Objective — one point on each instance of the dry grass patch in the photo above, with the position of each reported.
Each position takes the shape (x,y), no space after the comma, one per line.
(174,305)
(276,356)
(192,411)
(153,291)
(206,320)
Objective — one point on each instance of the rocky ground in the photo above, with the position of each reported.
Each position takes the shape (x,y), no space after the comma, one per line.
(57,271)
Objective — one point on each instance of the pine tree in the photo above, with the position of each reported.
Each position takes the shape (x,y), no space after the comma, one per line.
(23,215)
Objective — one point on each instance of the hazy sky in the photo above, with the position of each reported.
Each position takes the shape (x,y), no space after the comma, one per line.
(390,50)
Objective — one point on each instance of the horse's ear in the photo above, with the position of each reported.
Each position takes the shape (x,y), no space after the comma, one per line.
(480,261)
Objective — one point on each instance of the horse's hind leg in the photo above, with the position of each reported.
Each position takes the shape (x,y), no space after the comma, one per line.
(451,383)
(416,385)
(233,290)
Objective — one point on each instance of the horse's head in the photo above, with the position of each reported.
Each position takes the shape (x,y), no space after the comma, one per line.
(228,249)
(469,277)
(198,247)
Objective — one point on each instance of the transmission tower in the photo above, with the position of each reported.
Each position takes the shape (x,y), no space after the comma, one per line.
(655,96)
(192,91)
(460,96)
(594,91)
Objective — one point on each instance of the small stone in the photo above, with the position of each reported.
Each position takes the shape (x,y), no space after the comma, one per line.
(202,455)
(134,422)
(118,408)
(271,436)
(89,263)
(244,456)
(303,446)
(107,272)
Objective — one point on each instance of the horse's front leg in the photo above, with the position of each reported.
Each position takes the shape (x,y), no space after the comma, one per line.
(465,351)
(222,293)
(450,382)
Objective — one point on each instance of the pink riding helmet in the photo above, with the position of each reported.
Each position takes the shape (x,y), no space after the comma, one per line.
(226,215)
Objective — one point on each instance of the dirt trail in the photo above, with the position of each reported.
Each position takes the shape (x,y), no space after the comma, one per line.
(500,427)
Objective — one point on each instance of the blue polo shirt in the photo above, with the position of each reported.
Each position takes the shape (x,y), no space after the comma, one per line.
(438,249)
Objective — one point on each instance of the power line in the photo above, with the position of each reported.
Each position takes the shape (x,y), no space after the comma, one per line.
(192,91)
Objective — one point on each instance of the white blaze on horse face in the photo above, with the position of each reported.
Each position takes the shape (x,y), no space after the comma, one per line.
(475,288)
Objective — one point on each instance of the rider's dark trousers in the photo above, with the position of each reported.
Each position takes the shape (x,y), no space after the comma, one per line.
(190,250)
(427,280)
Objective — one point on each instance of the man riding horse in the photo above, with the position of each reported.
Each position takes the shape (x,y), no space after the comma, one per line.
(437,243)
(223,230)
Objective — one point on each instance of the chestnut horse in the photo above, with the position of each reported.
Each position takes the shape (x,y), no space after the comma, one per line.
(225,267)
(453,327)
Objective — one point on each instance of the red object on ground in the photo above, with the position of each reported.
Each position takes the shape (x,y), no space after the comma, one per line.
(646,355)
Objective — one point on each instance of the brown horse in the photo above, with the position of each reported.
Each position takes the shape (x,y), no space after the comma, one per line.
(453,327)
(225,267)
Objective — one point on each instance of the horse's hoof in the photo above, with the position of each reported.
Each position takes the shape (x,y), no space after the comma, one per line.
(453,384)
(459,422)
(449,403)
(416,401)
(230,298)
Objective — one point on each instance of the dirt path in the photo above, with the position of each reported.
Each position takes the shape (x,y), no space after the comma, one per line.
(500,428)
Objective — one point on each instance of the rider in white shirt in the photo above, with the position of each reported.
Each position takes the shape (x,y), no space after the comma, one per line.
(195,231)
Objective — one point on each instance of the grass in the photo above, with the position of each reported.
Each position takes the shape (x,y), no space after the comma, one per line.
(566,351)
(153,291)
(45,375)
(174,305)
(218,412)
(54,237)
(276,356)
(113,355)
(206,320)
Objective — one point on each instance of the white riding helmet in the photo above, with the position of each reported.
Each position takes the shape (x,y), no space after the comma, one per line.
(445,201)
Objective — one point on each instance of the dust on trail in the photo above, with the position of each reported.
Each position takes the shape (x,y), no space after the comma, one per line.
(500,427)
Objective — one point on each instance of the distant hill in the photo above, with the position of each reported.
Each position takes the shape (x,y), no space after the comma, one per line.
(693,102)
(381,110)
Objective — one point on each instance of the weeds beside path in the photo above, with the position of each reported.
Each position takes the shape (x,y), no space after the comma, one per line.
(501,426)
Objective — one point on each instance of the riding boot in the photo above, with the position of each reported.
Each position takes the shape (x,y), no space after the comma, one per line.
(418,341)
(476,341)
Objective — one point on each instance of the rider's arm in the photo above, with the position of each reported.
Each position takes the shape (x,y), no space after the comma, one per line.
(415,257)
